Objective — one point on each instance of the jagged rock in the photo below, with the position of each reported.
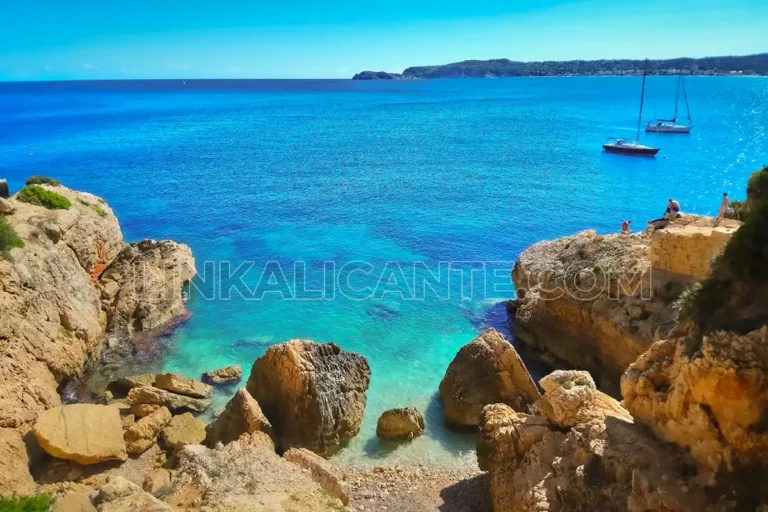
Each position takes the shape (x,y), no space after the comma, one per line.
(126,420)
(485,371)
(73,502)
(313,394)
(712,399)
(176,403)
(14,464)
(84,433)
(6,207)
(144,410)
(156,480)
(242,415)
(405,423)
(227,375)
(321,470)
(149,277)
(245,475)
(599,461)
(140,436)
(181,431)
(120,495)
(125,384)
(598,302)
(181,385)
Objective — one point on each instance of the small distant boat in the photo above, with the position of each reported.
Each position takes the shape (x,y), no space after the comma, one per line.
(670,125)
(621,146)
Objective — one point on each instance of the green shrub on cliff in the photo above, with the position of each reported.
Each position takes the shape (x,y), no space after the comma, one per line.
(39,503)
(9,239)
(43,180)
(757,186)
(34,194)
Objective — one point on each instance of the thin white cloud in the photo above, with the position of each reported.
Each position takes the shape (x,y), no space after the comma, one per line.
(88,66)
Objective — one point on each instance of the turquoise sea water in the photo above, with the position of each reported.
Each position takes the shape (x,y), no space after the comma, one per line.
(387,178)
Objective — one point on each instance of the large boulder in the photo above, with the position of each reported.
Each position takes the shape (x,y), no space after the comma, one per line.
(84,433)
(174,402)
(125,384)
(142,288)
(227,375)
(396,424)
(559,461)
(14,463)
(120,495)
(242,415)
(181,385)
(487,370)
(313,394)
(712,398)
(140,436)
(245,475)
(4,192)
(182,430)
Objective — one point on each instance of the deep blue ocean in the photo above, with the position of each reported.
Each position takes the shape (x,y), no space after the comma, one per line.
(373,184)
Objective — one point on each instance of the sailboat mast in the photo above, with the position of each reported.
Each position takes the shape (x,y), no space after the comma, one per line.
(677,97)
(642,98)
(685,96)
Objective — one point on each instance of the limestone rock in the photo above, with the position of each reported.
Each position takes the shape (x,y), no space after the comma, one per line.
(125,384)
(242,415)
(156,480)
(6,207)
(312,394)
(227,375)
(536,465)
(73,502)
(405,423)
(140,436)
(181,385)
(144,410)
(713,400)
(322,472)
(120,495)
(174,402)
(14,465)
(84,433)
(485,371)
(599,302)
(245,475)
(149,277)
(181,431)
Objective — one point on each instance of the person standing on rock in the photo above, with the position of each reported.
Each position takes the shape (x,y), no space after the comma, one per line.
(723,209)
(625,227)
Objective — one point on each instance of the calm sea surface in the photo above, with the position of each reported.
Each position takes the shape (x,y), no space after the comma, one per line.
(373,184)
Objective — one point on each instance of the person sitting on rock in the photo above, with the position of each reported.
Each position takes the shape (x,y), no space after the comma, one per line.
(625,227)
(673,210)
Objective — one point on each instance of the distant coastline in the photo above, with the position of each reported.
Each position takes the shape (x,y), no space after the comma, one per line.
(496,68)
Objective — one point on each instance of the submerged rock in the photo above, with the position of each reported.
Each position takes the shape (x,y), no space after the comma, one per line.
(485,371)
(227,375)
(181,385)
(242,415)
(396,424)
(313,394)
(84,433)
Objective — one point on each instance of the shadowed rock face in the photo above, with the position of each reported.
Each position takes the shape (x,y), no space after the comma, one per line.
(313,394)
(242,415)
(485,371)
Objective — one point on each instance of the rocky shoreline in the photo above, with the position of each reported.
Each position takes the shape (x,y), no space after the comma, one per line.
(689,434)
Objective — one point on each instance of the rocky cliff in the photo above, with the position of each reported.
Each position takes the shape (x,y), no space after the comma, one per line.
(598,302)
(53,304)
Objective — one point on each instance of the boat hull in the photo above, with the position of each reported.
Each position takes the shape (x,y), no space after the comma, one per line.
(667,128)
(625,149)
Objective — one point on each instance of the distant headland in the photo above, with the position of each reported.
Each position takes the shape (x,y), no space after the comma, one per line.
(729,65)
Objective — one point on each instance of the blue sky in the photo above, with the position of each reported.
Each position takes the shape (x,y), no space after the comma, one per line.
(96,39)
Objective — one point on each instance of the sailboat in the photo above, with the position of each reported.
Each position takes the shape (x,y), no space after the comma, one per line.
(623,147)
(670,125)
